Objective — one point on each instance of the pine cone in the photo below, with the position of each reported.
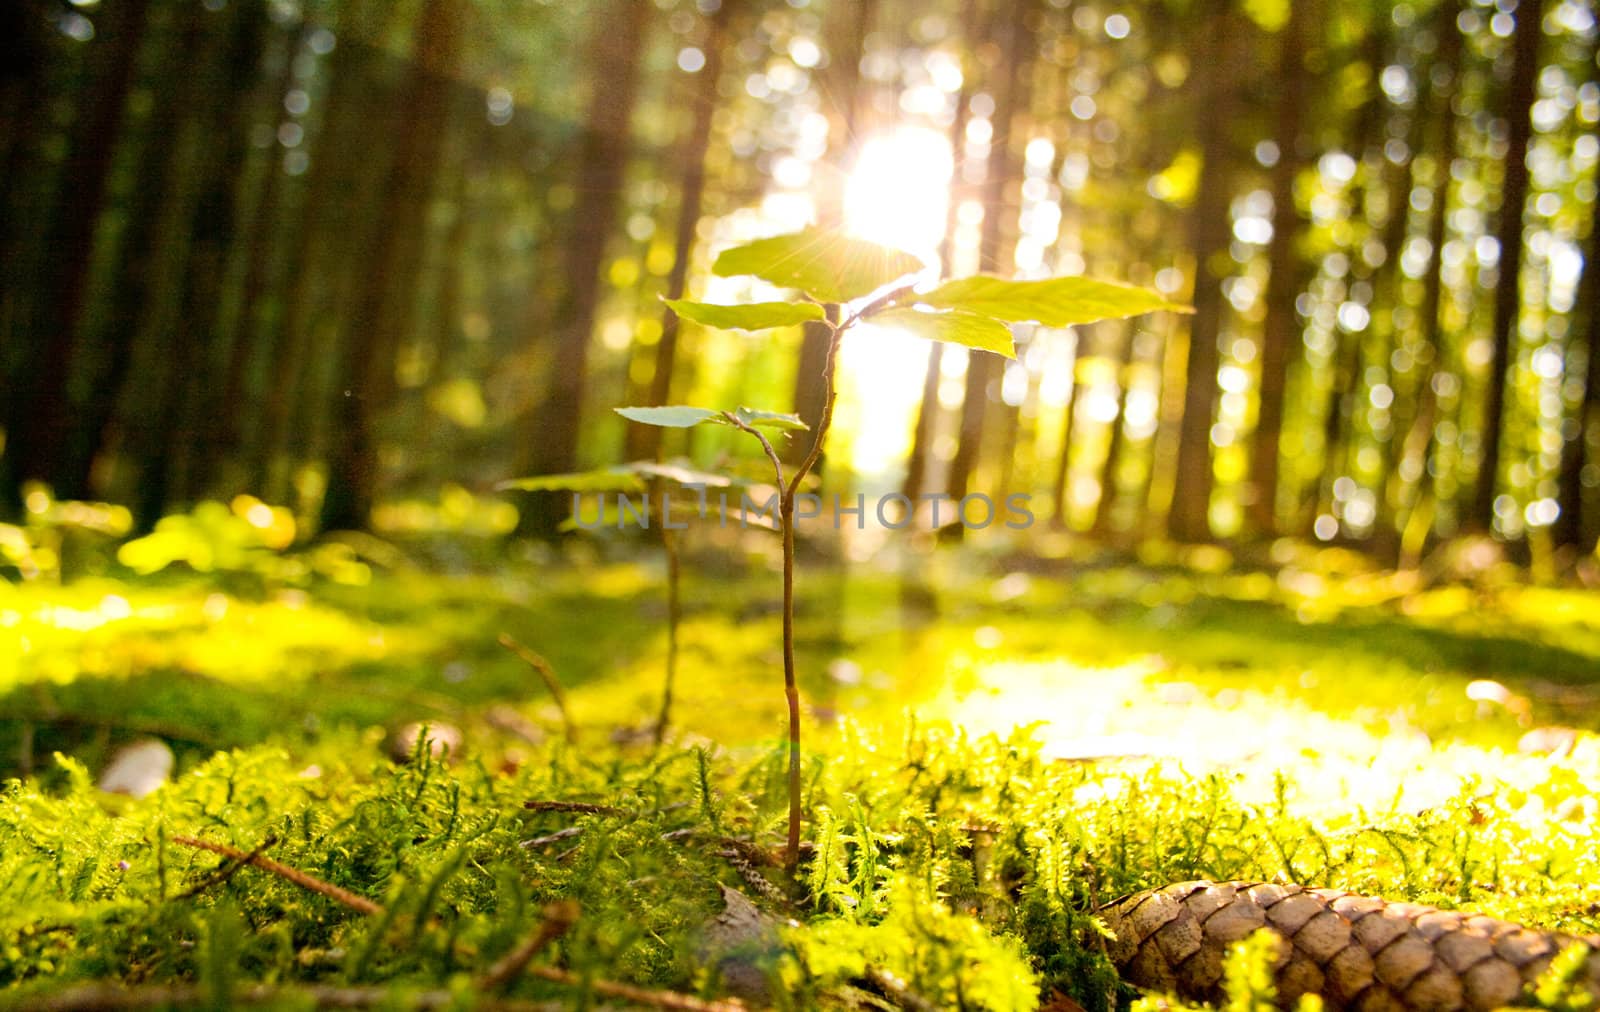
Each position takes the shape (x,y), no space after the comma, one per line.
(1357,952)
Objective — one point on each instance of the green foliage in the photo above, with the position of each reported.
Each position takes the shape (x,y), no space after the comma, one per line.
(683,417)
(954,326)
(945,957)
(1056,302)
(748,316)
(824,264)
(1561,986)
(1247,973)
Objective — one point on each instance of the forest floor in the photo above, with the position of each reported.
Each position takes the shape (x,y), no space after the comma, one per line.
(994,747)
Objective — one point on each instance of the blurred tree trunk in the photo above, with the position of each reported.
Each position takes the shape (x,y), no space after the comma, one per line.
(551,443)
(134,276)
(644,441)
(364,381)
(37,418)
(1280,330)
(842,91)
(24,57)
(928,410)
(982,370)
(255,310)
(1082,336)
(1578,524)
(1105,510)
(1517,111)
(200,404)
(1345,360)
(1416,451)
(324,211)
(1216,66)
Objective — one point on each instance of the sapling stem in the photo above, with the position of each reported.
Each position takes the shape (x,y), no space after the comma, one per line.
(669,541)
(787,491)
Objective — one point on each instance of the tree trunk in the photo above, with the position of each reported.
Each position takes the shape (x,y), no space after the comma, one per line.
(928,409)
(551,444)
(1069,426)
(1280,331)
(364,382)
(324,211)
(1419,438)
(1517,110)
(843,88)
(1105,509)
(644,441)
(202,406)
(1578,523)
(227,439)
(134,277)
(1189,519)
(982,373)
(38,416)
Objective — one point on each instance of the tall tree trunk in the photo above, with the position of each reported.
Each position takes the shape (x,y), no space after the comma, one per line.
(551,444)
(928,409)
(135,275)
(364,382)
(982,374)
(200,404)
(37,419)
(644,441)
(1280,331)
(1578,524)
(1082,335)
(1416,450)
(843,87)
(1105,509)
(1189,519)
(250,325)
(1517,110)
(323,212)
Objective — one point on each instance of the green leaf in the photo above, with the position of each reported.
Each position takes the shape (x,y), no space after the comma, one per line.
(955,326)
(1056,302)
(673,417)
(681,474)
(606,479)
(751,316)
(772,419)
(827,265)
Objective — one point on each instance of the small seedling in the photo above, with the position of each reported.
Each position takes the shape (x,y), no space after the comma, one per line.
(843,282)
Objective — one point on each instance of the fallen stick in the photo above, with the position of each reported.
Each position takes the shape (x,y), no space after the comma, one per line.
(558,918)
(360,904)
(227,871)
(110,998)
(643,996)
(579,807)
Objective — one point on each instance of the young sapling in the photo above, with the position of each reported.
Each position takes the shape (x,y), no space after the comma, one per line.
(843,282)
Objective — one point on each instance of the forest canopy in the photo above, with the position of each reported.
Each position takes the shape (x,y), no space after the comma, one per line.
(342,254)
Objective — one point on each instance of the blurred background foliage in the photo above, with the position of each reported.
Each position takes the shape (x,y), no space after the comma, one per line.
(360,260)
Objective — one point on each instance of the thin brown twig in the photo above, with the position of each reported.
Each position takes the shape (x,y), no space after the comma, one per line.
(581,807)
(558,918)
(226,871)
(546,673)
(642,996)
(560,834)
(359,904)
(112,998)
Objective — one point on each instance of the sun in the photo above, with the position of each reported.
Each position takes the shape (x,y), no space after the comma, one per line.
(897,194)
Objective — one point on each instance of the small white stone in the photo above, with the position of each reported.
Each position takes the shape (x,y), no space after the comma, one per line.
(138,768)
